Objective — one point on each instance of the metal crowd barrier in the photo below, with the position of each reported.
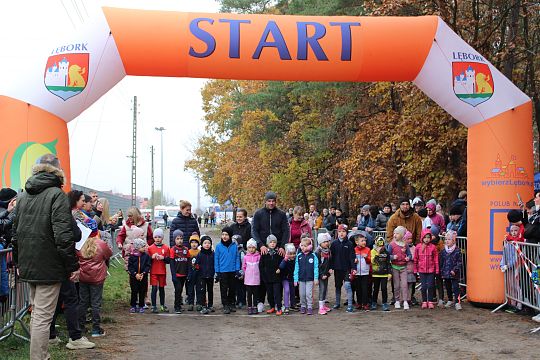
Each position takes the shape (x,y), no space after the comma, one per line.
(521,266)
(18,300)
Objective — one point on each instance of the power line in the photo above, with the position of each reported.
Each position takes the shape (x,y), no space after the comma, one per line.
(68,15)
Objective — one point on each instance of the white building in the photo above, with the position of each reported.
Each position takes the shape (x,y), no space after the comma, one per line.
(465,83)
(57,74)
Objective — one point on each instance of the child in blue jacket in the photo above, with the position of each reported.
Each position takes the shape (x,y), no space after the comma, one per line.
(227,265)
(306,274)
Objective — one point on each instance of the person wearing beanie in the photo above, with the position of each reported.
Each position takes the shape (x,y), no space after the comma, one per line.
(271,276)
(342,263)
(204,268)
(160,255)
(435,218)
(382,219)
(306,275)
(252,276)
(139,264)
(399,256)
(380,265)
(286,270)
(270,220)
(227,265)
(180,263)
(457,221)
(8,199)
(323,256)
(192,278)
(405,216)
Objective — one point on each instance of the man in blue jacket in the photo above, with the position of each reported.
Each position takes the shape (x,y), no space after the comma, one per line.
(227,264)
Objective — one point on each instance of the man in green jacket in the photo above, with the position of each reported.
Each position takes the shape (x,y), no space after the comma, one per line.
(43,246)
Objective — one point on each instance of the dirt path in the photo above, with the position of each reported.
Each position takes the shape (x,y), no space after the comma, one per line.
(442,334)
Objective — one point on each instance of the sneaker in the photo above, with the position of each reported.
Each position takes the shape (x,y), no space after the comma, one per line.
(190,307)
(373,306)
(397,305)
(326,308)
(414,302)
(177,311)
(536,318)
(424,305)
(405,305)
(260,307)
(141,310)
(205,311)
(366,307)
(310,311)
(350,309)
(199,307)
(431,305)
(279,313)
(55,341)
(226,310)
(240,306)
(358,306)
(81,343)
(271,311)
(286,311)
(154,310)
(98,332)
(132,310)
(164,309)
(449,304)
(385,307)
(249,311)
(233,308)
(146,307)
(337,306)
(302,310)
(458,306)
(211,308)
(322,311)
(440,303)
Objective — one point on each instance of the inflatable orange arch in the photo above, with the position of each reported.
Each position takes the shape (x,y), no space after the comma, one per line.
(78,70)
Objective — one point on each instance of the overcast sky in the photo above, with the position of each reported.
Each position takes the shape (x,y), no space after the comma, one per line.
(100,138)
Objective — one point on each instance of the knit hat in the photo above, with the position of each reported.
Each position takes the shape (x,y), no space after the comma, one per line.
(290,249)
(194,237)
(422,212)
(400,229)
(431,206)
(417,201)
(252,242)
(435,230)
(7,194)
(456,210)
(403,199)
(365,207)
(228,230)
(137,232)
(203,238)
(139,244)
(237,238)
(380,241)
(407,235)
(158,233)
(271,238)
(323,237)
(177,233)
(270,195)
(451,234)
(514,216)
(342,227)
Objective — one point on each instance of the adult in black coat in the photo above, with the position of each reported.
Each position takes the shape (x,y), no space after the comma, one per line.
(270,220)
(242,227)
(8,199)
(184,221)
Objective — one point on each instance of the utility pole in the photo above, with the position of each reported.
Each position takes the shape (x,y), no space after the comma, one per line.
(134,156)
(161,129)
(152,180)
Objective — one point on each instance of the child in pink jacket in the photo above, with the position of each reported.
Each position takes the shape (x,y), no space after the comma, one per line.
(252,276)
(426,264)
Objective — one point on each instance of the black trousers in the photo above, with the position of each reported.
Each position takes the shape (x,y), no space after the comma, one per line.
(178,287)
(227,287)
(382,283)
(274,293)
(70,299)
(205,286)
(252,292)
(361,288)
(138,290)
(240,292)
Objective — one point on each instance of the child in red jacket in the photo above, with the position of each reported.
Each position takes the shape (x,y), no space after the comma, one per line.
(159,253)
(426,265)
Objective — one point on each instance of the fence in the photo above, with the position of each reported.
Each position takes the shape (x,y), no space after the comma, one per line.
(17,305)
(521,266)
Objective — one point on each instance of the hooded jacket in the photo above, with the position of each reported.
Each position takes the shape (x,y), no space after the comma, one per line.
(94,269)
(203,264)
(411,221)
(250,266)
(426,257)
(266,222)
(226,257)
(188,225)
(43,236)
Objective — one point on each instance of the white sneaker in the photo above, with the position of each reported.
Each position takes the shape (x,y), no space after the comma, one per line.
(536,318)
(440,303)
(81,343)
(260,307)
(397,305)
(449,304)
(405,305)
(55,341)
(458,306)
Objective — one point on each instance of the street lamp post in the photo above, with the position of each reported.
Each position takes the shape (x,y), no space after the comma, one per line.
(161,129)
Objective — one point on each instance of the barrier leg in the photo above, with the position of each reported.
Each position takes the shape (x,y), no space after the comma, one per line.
(500,307)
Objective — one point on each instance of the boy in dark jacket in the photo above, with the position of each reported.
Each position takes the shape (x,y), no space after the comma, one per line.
(450,266)
(203,265)
(342,261)
(180,261)
(286,270)
(270,274)
(192,280)
(139,264)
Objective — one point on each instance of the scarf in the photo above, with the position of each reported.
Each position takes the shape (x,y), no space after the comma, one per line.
(449,250)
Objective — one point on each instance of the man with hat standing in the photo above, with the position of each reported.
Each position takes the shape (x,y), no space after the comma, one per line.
(406,217)
(8,198)
(270,220)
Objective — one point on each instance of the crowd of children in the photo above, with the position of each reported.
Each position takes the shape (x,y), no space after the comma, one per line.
(247,277)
